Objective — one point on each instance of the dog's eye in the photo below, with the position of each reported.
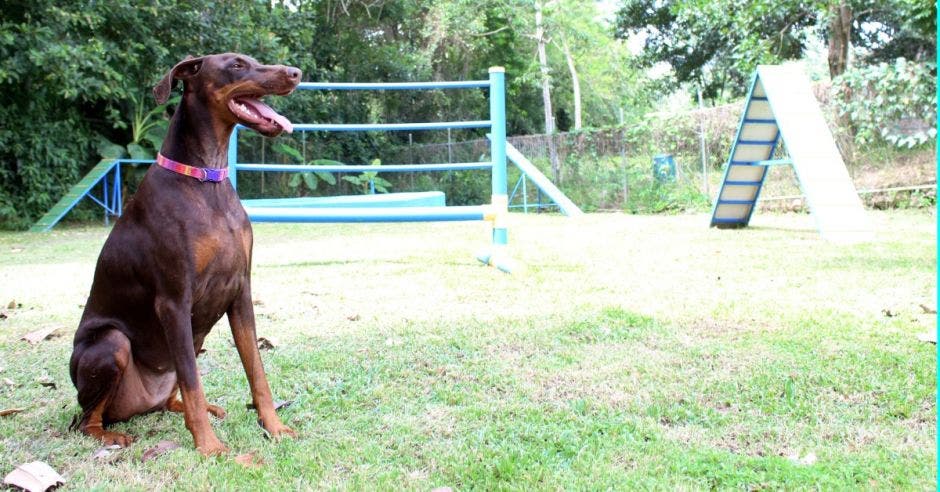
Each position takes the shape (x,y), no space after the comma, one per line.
(238,66)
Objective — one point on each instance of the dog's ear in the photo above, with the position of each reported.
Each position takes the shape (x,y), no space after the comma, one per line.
(183,70)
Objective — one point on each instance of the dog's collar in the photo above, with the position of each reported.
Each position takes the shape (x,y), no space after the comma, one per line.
(200,173)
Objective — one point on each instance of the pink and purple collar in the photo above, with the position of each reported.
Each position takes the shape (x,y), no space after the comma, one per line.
(200,173)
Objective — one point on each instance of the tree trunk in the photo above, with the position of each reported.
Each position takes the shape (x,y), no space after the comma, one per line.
(840,30)
(575,85)
(546,91)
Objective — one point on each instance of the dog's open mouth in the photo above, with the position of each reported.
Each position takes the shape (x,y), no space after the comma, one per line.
(257,115)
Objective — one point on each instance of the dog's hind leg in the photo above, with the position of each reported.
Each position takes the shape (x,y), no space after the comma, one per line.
(98,370)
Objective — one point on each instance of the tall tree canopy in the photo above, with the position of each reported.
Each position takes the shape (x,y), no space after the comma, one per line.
(717,43)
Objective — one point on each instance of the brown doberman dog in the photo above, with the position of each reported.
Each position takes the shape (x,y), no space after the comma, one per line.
(177,260)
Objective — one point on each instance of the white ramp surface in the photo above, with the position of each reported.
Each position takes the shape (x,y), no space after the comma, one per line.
(830,193)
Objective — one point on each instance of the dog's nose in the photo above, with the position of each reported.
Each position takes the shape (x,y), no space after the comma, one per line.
(293,73)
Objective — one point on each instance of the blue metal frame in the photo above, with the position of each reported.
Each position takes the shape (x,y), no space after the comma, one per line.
(111,199)
(764,162)
(495,212)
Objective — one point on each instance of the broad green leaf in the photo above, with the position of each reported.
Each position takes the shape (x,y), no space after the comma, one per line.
(288,150)
(109,150)
(138,152)
(326,162)
(310,180)
(325,176)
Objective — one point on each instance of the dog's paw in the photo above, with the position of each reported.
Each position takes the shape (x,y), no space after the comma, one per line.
(217,411)
(212,448)
(277,430)
(109,438)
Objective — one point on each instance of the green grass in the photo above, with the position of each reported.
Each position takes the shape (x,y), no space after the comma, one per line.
(632,352)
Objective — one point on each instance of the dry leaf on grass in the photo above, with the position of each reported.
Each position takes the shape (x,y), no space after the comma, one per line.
(46,381)
(278,404)
(927,310)
(162,447)
(265,344)
(442,489)
(11,411)
(249,460)
(104,452)
(928,337)
(37,336)
(34,477)
(9,382)
(809,459)
(12,304)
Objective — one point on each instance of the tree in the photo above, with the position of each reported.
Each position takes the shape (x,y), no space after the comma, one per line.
(717,44)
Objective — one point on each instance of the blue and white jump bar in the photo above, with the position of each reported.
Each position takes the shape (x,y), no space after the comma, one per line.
(496,212)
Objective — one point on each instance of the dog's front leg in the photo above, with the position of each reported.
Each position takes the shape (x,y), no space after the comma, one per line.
(241,317)
(174,315)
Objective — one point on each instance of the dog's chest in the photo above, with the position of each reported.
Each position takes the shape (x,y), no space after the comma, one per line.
(220,262)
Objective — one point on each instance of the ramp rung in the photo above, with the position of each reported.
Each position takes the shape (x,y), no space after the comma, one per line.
(736,202)
(756,142)
(761,121)
(758,98)
(743,183)
(726,220)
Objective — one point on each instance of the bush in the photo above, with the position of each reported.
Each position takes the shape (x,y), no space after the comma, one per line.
(893,103)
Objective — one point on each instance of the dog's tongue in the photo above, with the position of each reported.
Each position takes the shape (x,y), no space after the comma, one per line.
(266,111)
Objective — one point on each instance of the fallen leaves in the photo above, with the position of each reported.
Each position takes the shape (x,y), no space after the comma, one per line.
(249,460)
(278,404)
(46,381)
(806,460)
(37,336)
(928,337)
(105,451)
(34,477)
(266,343)
(11,411)
(161,448)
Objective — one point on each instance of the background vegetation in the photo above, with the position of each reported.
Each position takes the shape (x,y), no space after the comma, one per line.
(75,76)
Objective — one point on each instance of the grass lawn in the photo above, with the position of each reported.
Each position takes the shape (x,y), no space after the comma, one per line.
(632,352)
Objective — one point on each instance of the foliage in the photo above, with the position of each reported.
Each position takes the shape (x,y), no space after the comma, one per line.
(369,181)
(310,180)
(889,102)
(718,44)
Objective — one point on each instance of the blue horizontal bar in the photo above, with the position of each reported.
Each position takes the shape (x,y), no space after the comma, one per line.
(743,183)
(333,215)
(746,142)
(763,121)
(763,162)
(365,127)
(134,161)
(758,98)
(391,86)
(458,166)
(716,220)
(736,202)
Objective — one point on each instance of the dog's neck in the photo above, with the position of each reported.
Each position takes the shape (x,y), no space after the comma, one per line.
(195,137)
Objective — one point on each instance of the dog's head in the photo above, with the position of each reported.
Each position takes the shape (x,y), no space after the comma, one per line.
(231,85)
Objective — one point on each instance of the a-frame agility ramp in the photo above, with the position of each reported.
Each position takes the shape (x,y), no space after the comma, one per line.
(781,108)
